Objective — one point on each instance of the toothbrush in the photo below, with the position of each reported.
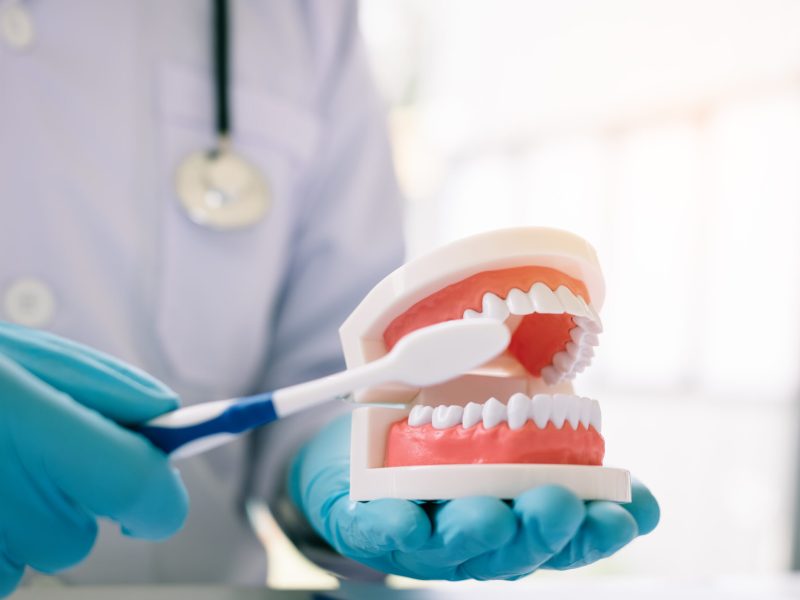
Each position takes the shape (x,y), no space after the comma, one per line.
(424,357)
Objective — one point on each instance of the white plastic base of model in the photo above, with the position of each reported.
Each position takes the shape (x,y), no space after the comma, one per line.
(445,482)
(370,480)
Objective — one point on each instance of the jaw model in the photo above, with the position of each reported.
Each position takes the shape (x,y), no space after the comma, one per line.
(511,424)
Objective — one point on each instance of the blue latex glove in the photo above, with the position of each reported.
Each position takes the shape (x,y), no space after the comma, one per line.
(478,537)
(64,460)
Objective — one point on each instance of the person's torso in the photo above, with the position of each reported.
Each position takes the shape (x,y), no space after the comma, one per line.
(95,117)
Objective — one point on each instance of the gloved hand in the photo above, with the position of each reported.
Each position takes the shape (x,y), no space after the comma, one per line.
(64,460)
(478,537)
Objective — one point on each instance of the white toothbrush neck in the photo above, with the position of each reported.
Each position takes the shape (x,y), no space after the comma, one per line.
(305,395)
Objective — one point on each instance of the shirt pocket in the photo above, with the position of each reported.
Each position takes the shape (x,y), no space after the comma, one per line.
(217,290)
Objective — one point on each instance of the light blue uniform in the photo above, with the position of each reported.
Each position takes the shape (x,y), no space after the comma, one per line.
(95,115)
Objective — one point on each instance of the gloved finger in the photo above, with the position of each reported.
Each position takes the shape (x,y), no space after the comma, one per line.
(101,466)
(50,532)
(549,517)
(10,574)
(117,390)
(606,528)
(129,481)
(319,484)
(462,529)
(643,507)
(363,530)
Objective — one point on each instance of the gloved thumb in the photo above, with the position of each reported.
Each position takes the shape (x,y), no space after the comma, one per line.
(163,495)
(116,390)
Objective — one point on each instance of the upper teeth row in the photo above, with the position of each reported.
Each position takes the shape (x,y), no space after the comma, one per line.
(541,299)
(574,358)
(541,409)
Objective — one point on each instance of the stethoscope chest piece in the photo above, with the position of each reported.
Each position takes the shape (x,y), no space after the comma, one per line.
(221,190)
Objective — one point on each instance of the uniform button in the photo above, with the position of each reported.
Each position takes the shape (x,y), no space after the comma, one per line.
(29,302)
(16,26)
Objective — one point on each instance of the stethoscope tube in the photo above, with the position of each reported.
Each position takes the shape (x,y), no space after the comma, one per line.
(221,51)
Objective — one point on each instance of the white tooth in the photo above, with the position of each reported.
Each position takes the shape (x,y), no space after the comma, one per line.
(420,415)
(590,339)
(472,414)
(550,375)
(586,411)
(544,300)
(586,352)
(439,416)
(519,303)
(584,312)
(563,362)
(596,321)
(518,408)
(589,324)
(561,403)
(574,411)
(494,307)
(595,420)
(446,416)
(573,349)
(494,411)
(569,301)
(472,314)
(579,366)
(577,334)
(541,407)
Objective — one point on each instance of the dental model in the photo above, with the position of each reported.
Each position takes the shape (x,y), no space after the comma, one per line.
(511,424)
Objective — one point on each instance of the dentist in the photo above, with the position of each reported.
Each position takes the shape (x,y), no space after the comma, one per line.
(205,192)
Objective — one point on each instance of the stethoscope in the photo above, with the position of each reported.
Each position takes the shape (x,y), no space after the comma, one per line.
(218,188)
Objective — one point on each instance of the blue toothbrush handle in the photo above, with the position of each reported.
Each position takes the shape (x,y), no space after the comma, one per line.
(194,429)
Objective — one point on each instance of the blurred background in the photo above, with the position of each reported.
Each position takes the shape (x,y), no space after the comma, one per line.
(668,135)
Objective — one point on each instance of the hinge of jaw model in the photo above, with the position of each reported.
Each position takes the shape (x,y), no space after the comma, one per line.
(510,424)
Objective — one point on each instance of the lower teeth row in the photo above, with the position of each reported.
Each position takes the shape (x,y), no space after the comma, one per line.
(541,409)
